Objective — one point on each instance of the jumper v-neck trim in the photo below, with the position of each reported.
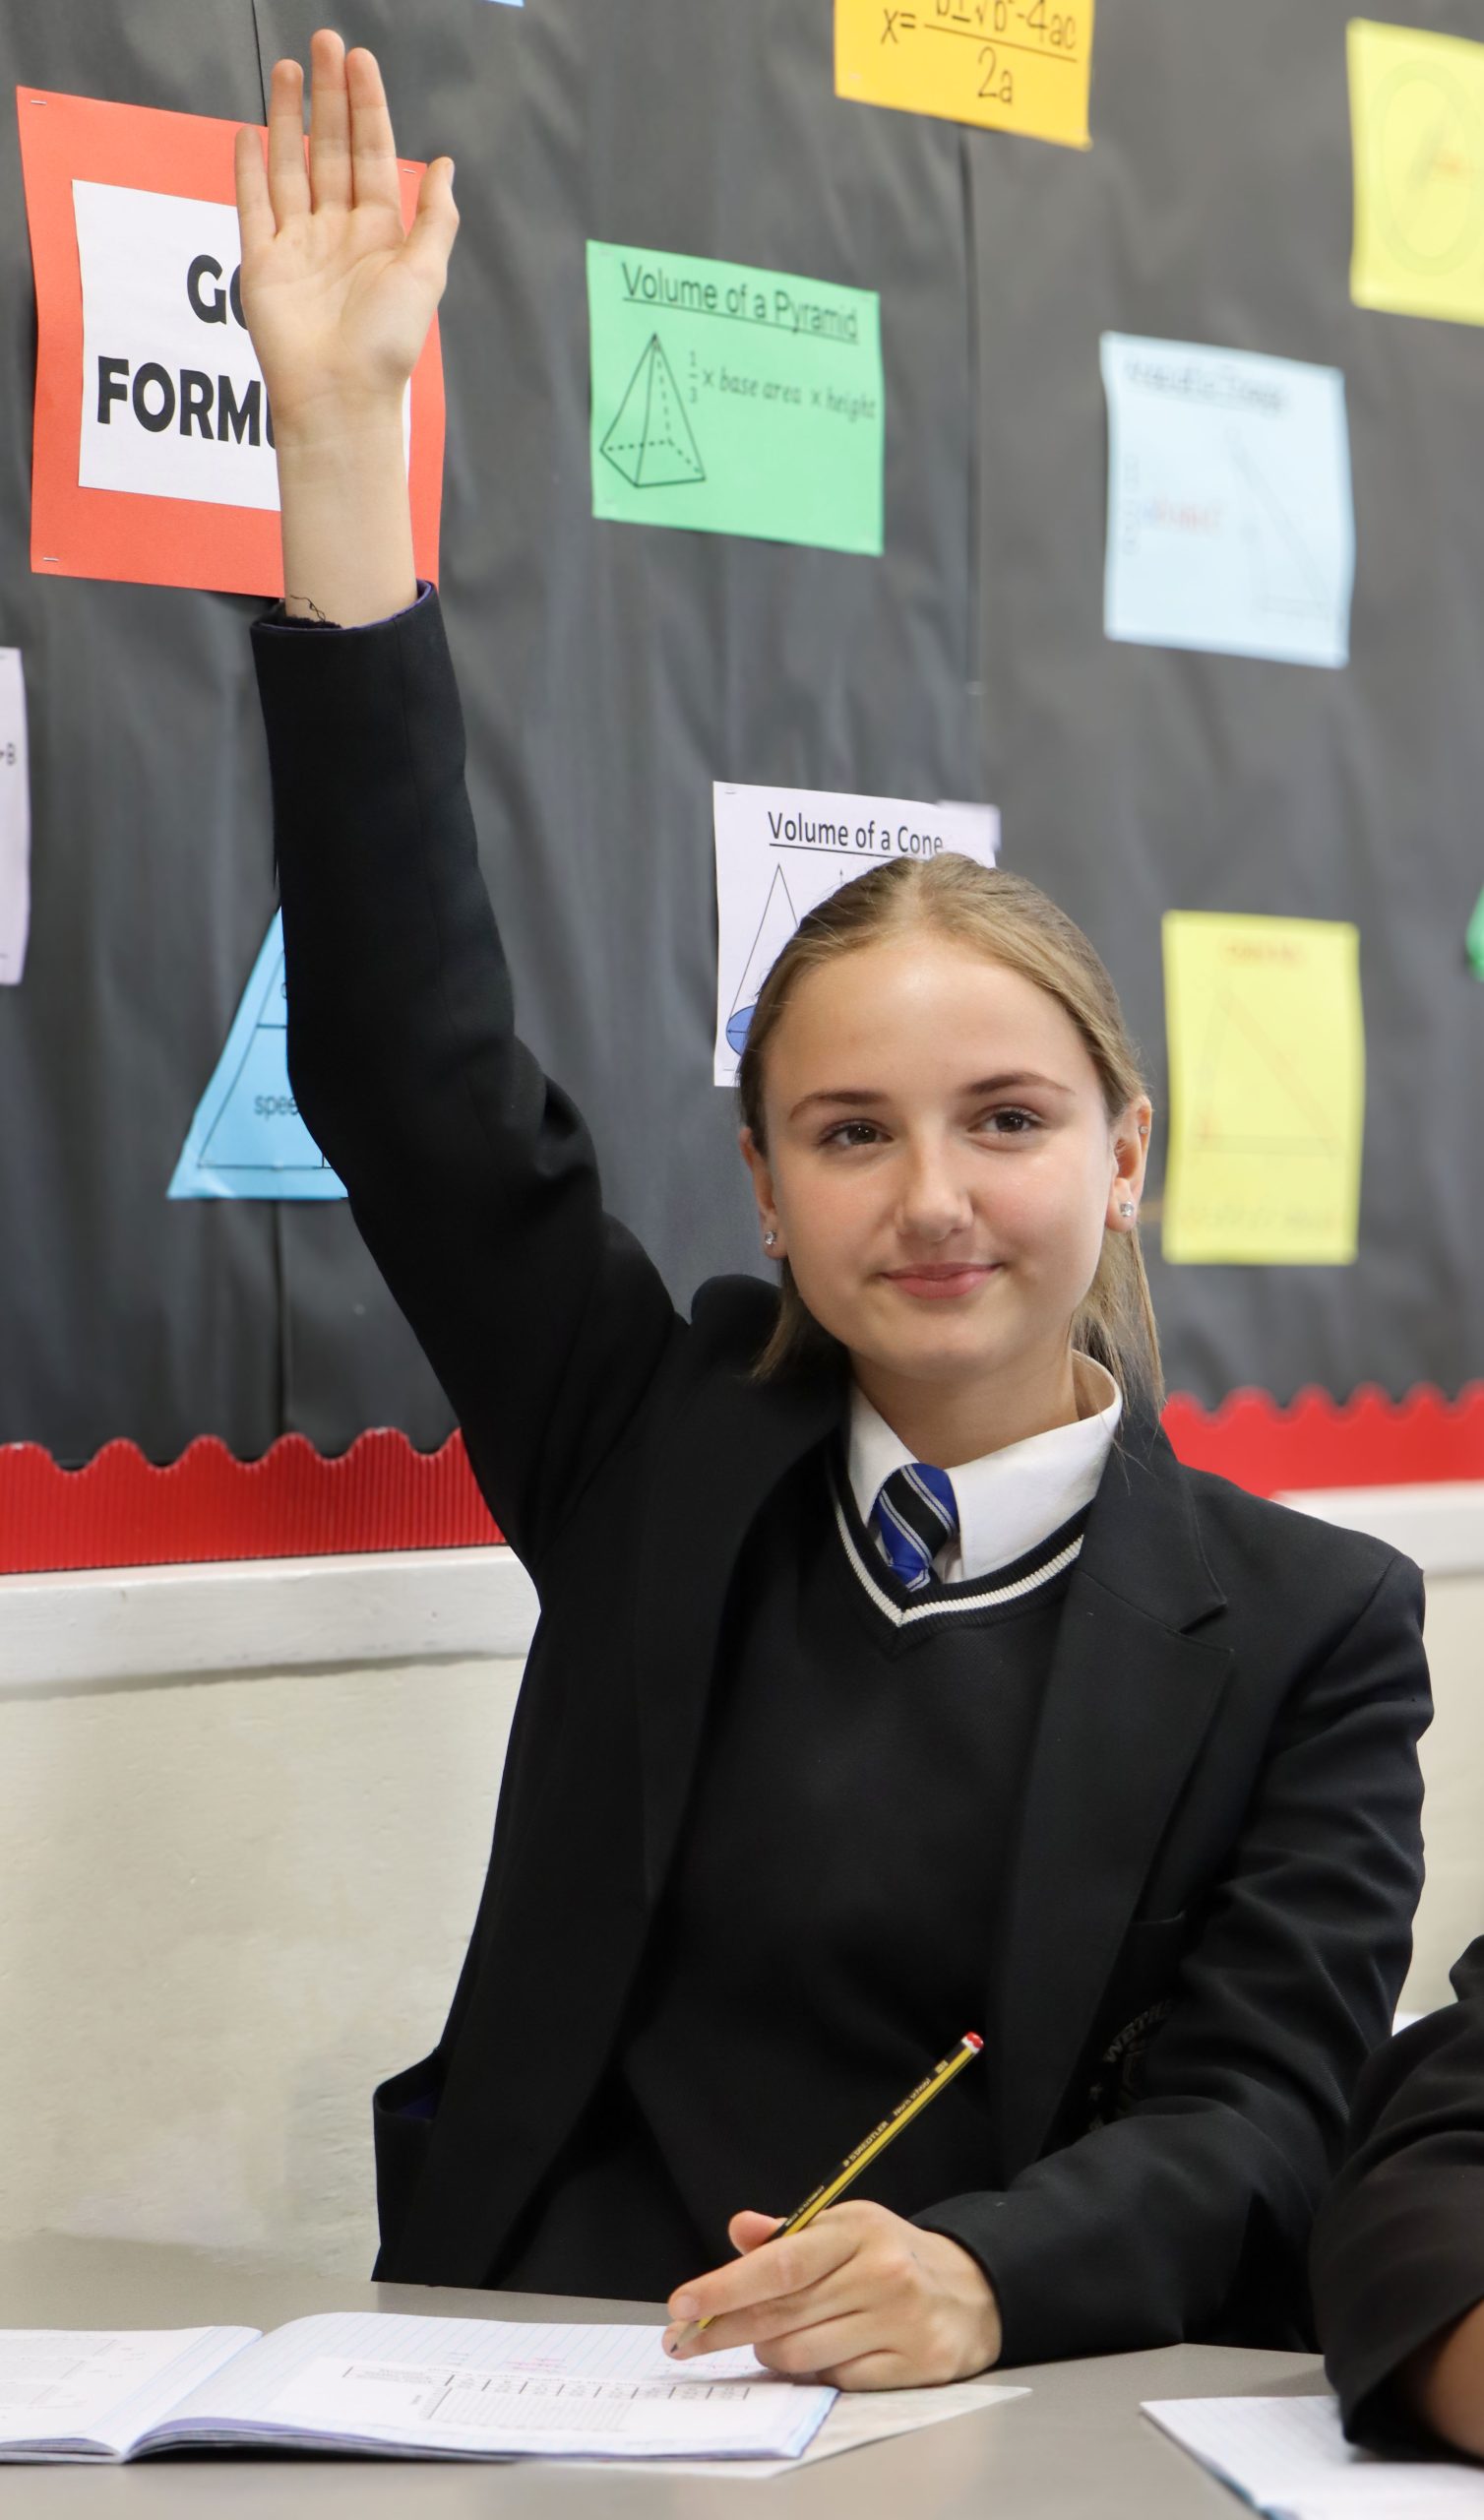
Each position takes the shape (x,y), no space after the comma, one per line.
(943,1602)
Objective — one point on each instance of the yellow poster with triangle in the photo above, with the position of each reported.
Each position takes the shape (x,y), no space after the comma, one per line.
(1266,1053)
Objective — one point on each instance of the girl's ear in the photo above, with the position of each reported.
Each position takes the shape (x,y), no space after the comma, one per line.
(1130,1155)
(762,1183)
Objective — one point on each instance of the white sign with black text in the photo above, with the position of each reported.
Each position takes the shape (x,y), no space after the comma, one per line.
(15,820)
(781,850)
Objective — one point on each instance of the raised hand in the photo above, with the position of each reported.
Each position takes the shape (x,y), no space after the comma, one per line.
(337,297)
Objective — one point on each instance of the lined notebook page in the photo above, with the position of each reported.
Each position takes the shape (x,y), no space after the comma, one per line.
(458,2389)
(98,2390)
(1289,2457)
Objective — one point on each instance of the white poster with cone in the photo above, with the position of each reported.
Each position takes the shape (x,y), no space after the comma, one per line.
(782,850)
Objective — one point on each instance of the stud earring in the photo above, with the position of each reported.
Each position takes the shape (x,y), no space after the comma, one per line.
(768,1239)
(1127,1208)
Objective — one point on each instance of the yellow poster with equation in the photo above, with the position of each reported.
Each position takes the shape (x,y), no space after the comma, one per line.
(1010,65)
(1267,1051)
(1417,125)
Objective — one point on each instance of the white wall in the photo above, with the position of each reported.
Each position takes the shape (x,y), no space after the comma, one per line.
(231,1899)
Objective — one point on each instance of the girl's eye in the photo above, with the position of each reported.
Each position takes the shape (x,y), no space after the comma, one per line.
(1009,1123)
(851,1133)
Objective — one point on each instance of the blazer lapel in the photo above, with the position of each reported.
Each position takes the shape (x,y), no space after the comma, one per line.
(1129,1699)
(735,1440)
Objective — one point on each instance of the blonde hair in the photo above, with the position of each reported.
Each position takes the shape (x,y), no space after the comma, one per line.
(1010,921)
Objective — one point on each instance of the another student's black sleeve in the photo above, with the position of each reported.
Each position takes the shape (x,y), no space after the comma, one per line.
(1399,2250)
(470,1173)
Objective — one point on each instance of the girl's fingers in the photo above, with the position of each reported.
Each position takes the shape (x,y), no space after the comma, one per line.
(782,2273)
(287,175)
(791,2314)
(430,238)
(877,2370)
(373,150)
(328,123)
(827,2345)
(254,216)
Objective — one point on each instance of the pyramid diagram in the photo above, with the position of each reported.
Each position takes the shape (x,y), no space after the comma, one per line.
(247,1140)
(1253,1097)
(649,439)
(779,920)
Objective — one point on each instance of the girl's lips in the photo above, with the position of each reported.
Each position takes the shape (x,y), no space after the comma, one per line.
(940,1280)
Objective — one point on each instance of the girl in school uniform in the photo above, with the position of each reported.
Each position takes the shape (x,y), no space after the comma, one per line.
(893,1678)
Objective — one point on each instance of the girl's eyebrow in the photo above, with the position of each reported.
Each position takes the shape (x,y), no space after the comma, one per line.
(866,1096)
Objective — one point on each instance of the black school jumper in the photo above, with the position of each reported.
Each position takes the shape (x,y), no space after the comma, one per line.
(1204,1914)
(1399,2250)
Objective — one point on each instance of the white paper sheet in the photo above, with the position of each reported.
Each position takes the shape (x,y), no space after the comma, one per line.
(781,850)
(173,399)
(482,2388)
(15,820)
(99,2389)
(1288,2457)
(856,2420)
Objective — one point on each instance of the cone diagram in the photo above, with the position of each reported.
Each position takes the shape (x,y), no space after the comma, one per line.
(776,927)
(649,439)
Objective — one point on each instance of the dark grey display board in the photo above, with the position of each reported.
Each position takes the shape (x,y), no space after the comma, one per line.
(611,673)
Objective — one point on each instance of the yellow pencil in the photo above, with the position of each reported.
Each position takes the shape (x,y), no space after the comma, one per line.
(865,2151)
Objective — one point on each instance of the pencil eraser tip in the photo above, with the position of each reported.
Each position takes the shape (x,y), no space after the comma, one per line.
(971,2039)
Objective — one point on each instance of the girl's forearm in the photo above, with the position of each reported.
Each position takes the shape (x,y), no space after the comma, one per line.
(346,519)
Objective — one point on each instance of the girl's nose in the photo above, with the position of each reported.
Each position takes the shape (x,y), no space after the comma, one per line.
(935,1200)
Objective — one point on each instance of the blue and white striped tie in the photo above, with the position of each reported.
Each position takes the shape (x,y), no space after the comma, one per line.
(915,1514)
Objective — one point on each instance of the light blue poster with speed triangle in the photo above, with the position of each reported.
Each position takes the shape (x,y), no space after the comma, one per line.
(247,1140)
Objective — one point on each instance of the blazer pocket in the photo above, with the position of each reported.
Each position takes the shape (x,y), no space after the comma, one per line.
(403,2111)
(1140,1995)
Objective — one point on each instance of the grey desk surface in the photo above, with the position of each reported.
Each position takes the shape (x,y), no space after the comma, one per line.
(1076,2448)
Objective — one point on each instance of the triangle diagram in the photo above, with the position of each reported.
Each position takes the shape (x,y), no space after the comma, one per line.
(247,1140)
(1289,578)
(779,920)
(1253,1097)
(649,439)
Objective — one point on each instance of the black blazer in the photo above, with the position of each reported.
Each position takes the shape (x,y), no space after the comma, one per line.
(1211,1903)
(1399,2248)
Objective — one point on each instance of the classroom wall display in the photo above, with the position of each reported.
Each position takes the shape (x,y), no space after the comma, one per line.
(613,674)
(1008,65)
(246,1139)
(1417,106)
(1267,1063)
(153,453)
(1230,522)
(15,819)
(780,851)
(730,401)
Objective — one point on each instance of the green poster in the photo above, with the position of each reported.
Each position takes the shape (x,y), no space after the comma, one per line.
(735,400)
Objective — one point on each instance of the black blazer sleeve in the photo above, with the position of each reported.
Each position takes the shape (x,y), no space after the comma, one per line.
(470,1175)
(1188,2216)
(1399,2250)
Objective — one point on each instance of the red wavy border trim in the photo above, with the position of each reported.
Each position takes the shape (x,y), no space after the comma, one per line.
(120,1511)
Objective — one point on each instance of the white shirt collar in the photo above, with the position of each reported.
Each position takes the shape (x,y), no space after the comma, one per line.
(1011,1500)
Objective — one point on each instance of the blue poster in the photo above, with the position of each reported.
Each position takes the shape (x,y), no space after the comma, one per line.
(1230,518)
(247,1140)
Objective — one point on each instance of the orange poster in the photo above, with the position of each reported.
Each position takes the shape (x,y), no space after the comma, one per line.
(154,456)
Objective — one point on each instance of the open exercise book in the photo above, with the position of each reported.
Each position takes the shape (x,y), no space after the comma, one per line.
(1288,2457)
(374,2382)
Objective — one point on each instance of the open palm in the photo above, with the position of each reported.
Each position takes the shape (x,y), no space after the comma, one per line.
(337,297)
